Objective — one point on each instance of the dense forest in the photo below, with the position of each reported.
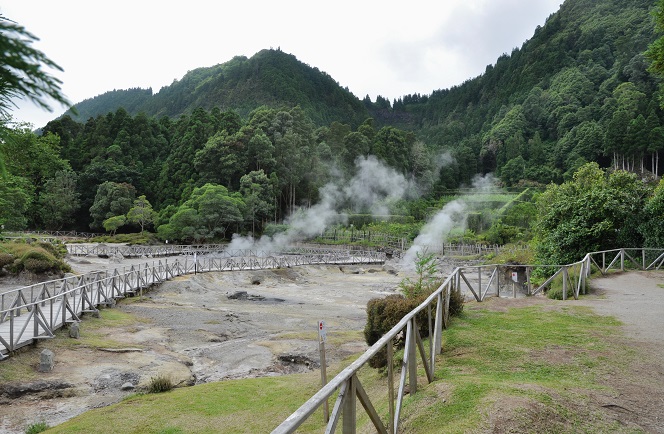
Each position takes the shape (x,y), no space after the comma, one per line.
(235,146)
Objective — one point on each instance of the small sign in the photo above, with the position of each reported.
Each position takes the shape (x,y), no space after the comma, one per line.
(515,276)
(322,331)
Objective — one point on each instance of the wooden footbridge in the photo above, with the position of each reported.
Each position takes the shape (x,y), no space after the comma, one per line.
(35,312)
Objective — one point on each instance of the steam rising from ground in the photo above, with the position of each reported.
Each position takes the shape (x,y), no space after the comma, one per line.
(453,216)
(373,188)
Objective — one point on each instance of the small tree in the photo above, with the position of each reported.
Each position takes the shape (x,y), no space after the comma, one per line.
(426,267)
(59,199)
(112,199)
(141,213)
(112,224)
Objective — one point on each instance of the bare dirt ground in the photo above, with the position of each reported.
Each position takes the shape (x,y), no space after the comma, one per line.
(215,326)
(202,328)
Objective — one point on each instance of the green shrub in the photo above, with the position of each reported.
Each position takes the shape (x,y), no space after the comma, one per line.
(144,238)
(19,256)
(35,259)
(274,229)
(385,313)
(56,248)
(37,428)
(160,384)
(555,291)
(37,265)
(426,267)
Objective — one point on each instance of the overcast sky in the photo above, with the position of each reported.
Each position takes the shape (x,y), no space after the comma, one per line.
(386,48)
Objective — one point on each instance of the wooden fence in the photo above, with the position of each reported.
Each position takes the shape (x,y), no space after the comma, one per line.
(436,310)
(400,244)
(35,312)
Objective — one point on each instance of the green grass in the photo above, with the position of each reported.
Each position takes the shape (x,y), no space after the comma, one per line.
(534,354)
(251,406)
(548,358)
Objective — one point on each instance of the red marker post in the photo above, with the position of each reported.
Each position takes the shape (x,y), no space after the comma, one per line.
(322,336)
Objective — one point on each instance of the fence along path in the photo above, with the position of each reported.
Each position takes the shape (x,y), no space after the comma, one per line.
(436,309)
(36,312)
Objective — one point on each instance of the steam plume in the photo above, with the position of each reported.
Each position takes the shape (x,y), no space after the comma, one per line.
(373,188)
(453,216)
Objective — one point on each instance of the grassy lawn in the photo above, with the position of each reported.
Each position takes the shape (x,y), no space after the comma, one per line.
(529,369)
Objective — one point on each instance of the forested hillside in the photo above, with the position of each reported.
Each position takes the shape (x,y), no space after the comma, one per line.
(270,77)
(577,91)
(260,137)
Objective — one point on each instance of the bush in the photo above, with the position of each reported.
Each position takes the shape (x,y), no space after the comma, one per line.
(32,257)
(56,248)
(274,229)
(5,259)
(37,265)
(36,428)
(555,291)
(385,313)
(456,302)
(160,384)
(144,238)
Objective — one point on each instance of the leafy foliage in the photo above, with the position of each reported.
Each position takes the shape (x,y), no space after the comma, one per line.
(269,78)
(36,258)
(205,216)
(112,199)
(37,427)
(594,211)
(59,200)
(652,226)
(426,268)
(141,213)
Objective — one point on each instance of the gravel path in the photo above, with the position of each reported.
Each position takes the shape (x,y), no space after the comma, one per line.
(637,300)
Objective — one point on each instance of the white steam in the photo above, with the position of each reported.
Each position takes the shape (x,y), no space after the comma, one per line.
(373,188)
(453,216)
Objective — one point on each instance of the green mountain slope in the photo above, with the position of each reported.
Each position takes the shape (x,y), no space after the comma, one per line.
(577,91)
(270,77)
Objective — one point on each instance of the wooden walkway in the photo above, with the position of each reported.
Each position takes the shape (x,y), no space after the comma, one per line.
(35,312)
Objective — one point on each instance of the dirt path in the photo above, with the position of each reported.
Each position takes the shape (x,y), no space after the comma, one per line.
(637,300)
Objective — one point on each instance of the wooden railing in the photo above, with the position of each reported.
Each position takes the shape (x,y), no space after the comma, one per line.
(36,311)
(573,276)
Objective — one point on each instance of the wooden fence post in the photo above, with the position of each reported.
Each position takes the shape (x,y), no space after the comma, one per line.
(349,424)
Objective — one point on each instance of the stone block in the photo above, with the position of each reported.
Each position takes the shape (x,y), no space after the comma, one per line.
(46,361)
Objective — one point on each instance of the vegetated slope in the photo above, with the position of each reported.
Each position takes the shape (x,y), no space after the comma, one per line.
(270,77)
(577,91)
(561,99)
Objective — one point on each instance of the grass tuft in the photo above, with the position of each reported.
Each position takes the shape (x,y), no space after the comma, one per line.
(160,384)
(36,428)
